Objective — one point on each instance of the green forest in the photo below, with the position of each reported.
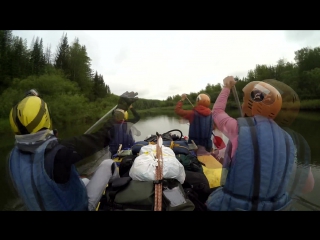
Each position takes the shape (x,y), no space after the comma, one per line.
(76,93)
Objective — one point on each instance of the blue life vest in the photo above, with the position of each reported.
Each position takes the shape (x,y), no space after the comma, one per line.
(123,135)
(200,130)
(259,173)
(35,187)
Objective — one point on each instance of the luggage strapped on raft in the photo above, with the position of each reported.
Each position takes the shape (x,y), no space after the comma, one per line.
(197,185)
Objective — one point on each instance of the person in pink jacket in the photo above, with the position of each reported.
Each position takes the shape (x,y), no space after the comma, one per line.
(260,156)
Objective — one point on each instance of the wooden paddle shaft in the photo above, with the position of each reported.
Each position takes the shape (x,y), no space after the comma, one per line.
(159,173)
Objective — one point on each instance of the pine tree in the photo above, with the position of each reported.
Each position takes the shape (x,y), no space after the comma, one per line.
(5,63)
(62,56)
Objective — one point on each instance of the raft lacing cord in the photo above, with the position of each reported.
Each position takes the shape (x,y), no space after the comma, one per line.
(159,175)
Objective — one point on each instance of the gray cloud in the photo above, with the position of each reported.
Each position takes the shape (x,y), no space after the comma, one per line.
(305,38)
(111,72)
(122,55)
(240,74)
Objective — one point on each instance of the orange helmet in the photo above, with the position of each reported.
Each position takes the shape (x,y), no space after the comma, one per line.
(203,99)
(261,98)
(290,103)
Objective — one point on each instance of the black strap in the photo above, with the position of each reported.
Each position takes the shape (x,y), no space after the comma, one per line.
(257,165)
(52,148)
(22,129)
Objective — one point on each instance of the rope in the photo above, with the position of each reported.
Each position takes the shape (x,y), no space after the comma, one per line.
(159,175)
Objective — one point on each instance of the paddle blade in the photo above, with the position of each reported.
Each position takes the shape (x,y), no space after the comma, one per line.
(218,142)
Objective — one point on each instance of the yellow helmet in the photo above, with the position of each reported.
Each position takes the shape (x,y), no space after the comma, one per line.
(203,99)
(290,103)
(29,116)
(261,98)
(126,115)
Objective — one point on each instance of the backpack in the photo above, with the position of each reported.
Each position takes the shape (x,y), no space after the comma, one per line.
(199,183)
(194,198)
(125,194)
(190,162)
(167,136)
(196,185)
(125,165)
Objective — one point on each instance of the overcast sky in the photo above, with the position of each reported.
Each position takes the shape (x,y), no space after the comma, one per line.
(158,63)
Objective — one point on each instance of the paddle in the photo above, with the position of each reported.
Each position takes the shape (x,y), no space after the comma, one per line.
(235,95)
(100,120)
(217,141)
(126,98)
(159,174)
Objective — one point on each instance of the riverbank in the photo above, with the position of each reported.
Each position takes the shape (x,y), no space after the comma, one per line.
(306,106)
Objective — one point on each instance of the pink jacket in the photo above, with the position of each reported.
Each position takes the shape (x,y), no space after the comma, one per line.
(226,124)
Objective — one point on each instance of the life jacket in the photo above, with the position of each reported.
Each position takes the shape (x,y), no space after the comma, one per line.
(258,176)
(200,130)
(35,187)
(122,135)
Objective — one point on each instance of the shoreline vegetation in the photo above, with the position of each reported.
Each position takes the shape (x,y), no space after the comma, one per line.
(307,108)
(78,95)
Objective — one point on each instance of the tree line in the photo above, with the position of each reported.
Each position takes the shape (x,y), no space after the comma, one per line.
(18,62)
(303,75)
(76,93)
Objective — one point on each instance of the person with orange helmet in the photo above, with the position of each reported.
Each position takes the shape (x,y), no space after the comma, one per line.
(260,155)
(200,119)
(200,131)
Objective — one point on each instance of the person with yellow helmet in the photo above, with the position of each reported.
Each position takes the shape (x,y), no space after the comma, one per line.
(123,130)
(260,155)
(42,168)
